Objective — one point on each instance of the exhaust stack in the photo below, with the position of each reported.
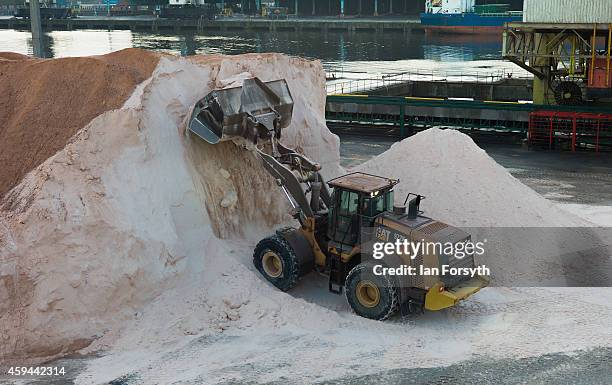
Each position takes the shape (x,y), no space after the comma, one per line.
(413,205)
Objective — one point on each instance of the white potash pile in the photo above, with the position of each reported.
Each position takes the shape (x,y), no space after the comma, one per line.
(134,242)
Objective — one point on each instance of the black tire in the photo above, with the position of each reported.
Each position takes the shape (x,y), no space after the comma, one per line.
(387,303)
(289,273)
(568,94)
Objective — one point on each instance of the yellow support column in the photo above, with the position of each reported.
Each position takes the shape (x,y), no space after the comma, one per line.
(541,91)
(593,53)
(541,87)
(609,52)
(572,69)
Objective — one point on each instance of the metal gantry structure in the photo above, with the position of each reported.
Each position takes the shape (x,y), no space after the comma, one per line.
(570,62)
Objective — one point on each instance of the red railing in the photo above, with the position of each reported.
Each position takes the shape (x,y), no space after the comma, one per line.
(570,130)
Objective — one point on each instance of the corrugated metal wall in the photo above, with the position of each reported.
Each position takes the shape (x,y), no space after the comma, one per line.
(568,11)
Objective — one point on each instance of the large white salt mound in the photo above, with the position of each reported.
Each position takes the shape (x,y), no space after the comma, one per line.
(130,206)
(463,185)
(117,236)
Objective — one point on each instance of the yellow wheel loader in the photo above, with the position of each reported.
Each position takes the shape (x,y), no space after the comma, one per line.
(337,227)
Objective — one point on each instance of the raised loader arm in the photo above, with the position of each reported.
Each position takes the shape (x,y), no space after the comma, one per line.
(258,111)
(291,170)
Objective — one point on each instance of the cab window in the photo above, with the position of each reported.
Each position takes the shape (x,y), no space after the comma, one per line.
(389,200)
(349,202)
(378,204)
(344,226)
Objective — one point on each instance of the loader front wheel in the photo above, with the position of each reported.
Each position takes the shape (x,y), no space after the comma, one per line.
(369,295)
(277,262)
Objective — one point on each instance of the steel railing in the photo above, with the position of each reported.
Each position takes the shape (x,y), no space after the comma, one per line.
(339,83)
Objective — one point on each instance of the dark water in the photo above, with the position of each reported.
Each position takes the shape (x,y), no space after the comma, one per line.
(331,47)
(359,52)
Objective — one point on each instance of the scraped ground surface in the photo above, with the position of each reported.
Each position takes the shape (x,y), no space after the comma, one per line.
(119,245)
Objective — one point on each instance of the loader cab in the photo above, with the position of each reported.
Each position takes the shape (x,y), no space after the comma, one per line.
(357,200)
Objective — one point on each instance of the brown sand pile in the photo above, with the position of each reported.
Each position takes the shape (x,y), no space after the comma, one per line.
(13,56)
(45,102)
(129,208)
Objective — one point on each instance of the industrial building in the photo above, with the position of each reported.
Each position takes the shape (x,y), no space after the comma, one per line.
(567,46)
(303,8)
(350,7)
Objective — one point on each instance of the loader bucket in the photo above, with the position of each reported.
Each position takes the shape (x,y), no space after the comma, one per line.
(253,111)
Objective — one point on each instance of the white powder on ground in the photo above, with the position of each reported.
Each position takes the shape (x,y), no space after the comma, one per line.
(231,325)
(600,215)
(463,185)
(130,205)
(466,188)
(113,240)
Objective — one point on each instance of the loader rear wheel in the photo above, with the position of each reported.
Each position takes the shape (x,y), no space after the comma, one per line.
(369,295)
(568,94)
(277,262)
